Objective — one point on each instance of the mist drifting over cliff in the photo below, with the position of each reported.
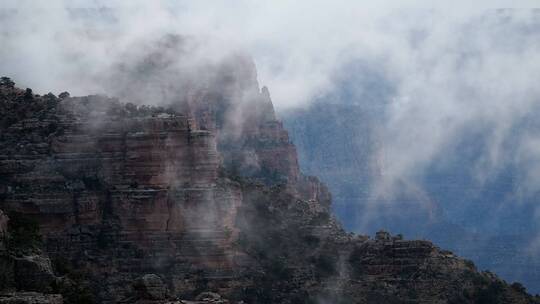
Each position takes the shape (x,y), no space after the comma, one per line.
(455,85)
(455,69)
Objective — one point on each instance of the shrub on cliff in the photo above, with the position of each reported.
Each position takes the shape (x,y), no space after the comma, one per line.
(7,82)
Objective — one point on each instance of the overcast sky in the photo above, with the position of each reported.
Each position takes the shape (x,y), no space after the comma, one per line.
(296,44)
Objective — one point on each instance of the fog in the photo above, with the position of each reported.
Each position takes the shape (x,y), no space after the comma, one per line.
(296,46)
(456,67)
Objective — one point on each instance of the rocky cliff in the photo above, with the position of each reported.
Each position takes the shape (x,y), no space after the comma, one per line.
(340,138)
(106,202)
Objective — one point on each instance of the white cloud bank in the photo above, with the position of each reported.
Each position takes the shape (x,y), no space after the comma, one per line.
(296,44)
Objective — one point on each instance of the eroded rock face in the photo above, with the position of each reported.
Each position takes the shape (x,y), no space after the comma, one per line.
(220,96)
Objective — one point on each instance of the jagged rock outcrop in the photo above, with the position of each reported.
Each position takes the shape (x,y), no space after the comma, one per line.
(149,205)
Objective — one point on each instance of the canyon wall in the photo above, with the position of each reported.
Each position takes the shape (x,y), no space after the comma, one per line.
(116,203)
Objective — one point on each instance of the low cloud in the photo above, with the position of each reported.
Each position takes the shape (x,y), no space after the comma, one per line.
(457,68)
(297,46)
